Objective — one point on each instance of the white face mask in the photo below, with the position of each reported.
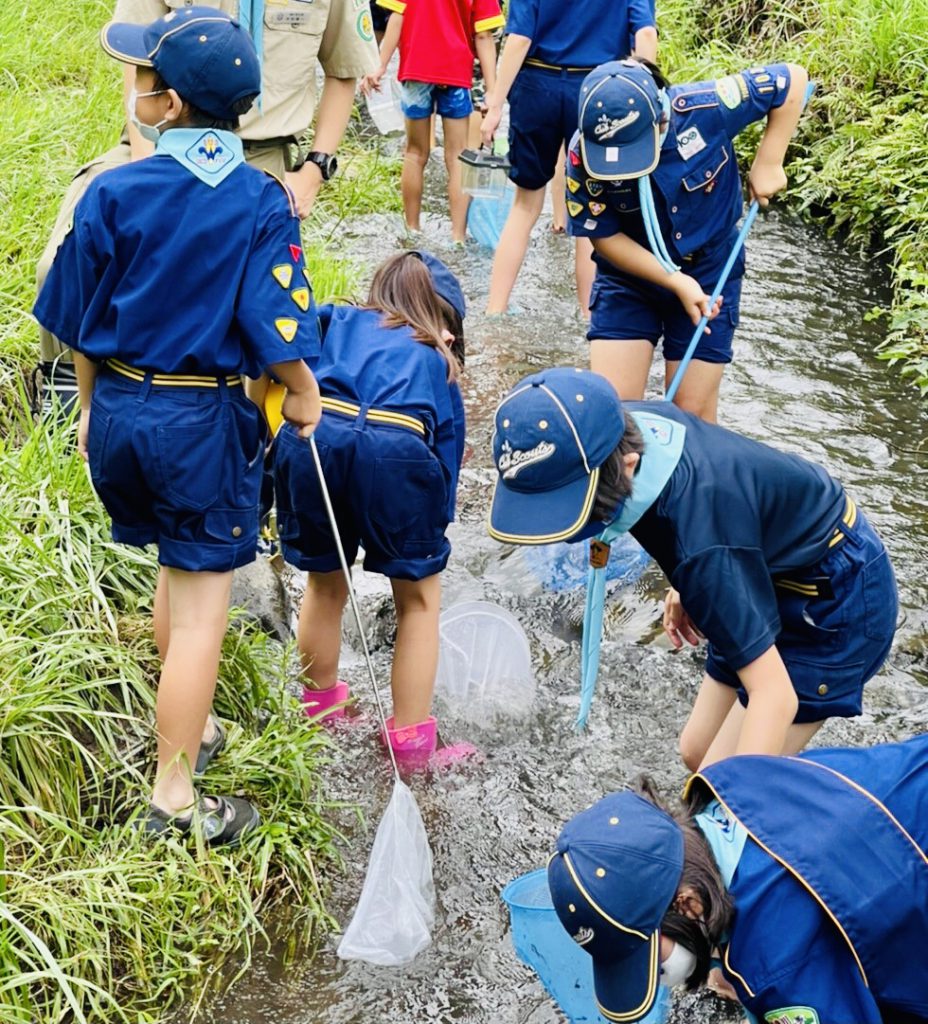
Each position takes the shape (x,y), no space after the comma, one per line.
(149,132)
(678,966)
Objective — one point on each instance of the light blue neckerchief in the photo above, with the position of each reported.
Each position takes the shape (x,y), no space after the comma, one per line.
(726,838)
(649,211)
(251,18)
(208,154)
(663,446)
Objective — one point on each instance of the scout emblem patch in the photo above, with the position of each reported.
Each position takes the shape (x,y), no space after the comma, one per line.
(728,92)
(296,252)
(209,154)
(597,208)
(594,187)
(283,274)
(573,184)
(574,208)
(301,297)
(286,328)
(365,25)
(792,1015)
(690,142)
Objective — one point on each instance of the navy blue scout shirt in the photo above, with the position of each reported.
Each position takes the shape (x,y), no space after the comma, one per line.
(379,367)
(734,514)
(696,184)
(165,273)
(562,38)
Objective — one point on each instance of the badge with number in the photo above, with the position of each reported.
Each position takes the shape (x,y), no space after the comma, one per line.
(690,142)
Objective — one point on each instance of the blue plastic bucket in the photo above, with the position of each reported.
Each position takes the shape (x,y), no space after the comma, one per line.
(565,970)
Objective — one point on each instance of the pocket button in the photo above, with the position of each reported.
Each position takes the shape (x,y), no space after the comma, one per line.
(822,690)
(236,531)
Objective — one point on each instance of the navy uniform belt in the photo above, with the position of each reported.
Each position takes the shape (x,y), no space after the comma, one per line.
(381,416)
(171,380)
(534,62)
(820,586)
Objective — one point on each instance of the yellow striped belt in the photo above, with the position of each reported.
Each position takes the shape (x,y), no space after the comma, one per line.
(534,62)
(171,380)
(821,586)
(384,416)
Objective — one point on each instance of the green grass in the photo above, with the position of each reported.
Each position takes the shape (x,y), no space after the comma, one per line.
(860,161)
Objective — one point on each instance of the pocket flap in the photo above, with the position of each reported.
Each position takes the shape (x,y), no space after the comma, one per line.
(700,176)
(235,525)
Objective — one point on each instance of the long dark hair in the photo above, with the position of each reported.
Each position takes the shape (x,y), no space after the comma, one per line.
(701,874)
(402,290)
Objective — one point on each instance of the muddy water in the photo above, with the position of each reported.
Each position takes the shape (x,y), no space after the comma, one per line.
(805,380)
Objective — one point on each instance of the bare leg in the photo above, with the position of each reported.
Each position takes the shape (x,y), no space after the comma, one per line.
(455,132)
(711,710)
(585,272)
(699,389)
(725,743)
(199,608)
(415,658)
(625,364)
(513,243)
(418,135)
(558,202)
(319,634)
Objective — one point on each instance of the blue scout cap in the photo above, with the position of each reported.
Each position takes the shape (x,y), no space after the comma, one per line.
(443,281)
(620,116)
(613,876)
(553,431)
(199,51)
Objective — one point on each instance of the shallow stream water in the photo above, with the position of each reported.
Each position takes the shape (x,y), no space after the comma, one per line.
(805,379)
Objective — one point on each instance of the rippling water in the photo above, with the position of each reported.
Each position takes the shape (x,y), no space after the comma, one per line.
(804,380)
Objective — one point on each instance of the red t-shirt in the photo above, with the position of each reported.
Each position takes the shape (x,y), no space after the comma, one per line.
(437,41)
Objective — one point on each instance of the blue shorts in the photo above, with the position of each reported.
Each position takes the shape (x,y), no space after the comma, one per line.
(388,491)
(420,100)
(837,621)
(179,467)
(542,117)
(623,307)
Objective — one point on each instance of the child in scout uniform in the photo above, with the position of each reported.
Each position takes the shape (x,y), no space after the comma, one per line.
(652,179)
(548,51)
(437,41)
(181,273)
(390,442)
(809,874)
(290,37)
(769,559)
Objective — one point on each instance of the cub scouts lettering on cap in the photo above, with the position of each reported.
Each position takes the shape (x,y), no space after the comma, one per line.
(510,462)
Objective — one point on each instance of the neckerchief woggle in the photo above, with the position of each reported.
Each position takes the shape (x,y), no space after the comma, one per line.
(251,18)
(209,154)
(663,446)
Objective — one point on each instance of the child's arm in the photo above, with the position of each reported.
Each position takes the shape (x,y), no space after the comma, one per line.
(86,378)
(642,29)
(485,47)
(388,45)
(767,176)
(646,43)
(515,50)
(302,406)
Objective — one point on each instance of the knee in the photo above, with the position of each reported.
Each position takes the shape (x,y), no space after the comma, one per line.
(416,155)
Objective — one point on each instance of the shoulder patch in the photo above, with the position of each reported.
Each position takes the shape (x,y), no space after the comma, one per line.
(792,1015)
(703,95)
(286,328)
(287,192)
(728,92)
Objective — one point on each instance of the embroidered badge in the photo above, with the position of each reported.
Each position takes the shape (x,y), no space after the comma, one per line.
(512,461)
(283,274)
(286,328)
(573,184)
(574,208)
(301,297)
(690,142)
(209,154)
(365,26)
(792,1015)
(781,81)
(742,86)
(761,78)
(296,252)
(594,187)
(583,936)
(728,92)
(589,224)
(597,208)
(574,159)
(608,127)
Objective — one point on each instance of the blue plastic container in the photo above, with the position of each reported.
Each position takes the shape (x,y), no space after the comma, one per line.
(486,217)
(560,567)
(564,969)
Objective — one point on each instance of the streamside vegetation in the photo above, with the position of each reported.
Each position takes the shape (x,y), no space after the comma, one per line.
(860,165)
(96,923)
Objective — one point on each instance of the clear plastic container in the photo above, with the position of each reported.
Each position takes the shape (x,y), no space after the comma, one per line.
(484,663)
(384,106)
(565,970)
(484,174)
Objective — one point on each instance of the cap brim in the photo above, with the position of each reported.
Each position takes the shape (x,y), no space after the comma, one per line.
(626,989)
(126,43)
(618,163)
(541,517)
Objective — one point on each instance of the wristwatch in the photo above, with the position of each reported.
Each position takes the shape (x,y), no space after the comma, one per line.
(326,162)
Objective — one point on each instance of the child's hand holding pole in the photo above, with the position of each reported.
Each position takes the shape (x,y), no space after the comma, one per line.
(302,405)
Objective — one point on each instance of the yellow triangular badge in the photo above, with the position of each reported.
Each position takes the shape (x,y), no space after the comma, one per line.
(306,275)
(574,209)
(286,327)
(301,297)
(283,274)
(572,184)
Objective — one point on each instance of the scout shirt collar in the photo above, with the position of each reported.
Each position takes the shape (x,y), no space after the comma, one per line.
(663,447)
(208,153)
(726,837)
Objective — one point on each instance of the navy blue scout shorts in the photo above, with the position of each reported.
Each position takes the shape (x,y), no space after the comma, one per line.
(623,307)
(179,467)
(837,622)
(388,491)
(542,117)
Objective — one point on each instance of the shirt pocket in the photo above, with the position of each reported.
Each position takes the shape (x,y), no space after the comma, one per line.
(706,169)
(302,17)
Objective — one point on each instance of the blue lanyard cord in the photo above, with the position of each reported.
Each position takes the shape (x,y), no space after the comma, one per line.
(652,225)
(592,636)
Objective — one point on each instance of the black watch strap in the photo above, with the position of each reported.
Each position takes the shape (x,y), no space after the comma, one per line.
(326,162)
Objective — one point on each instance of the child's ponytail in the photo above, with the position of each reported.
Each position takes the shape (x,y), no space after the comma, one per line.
(402,290)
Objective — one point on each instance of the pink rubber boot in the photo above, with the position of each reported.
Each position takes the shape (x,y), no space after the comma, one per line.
(415,747)
(321,704)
